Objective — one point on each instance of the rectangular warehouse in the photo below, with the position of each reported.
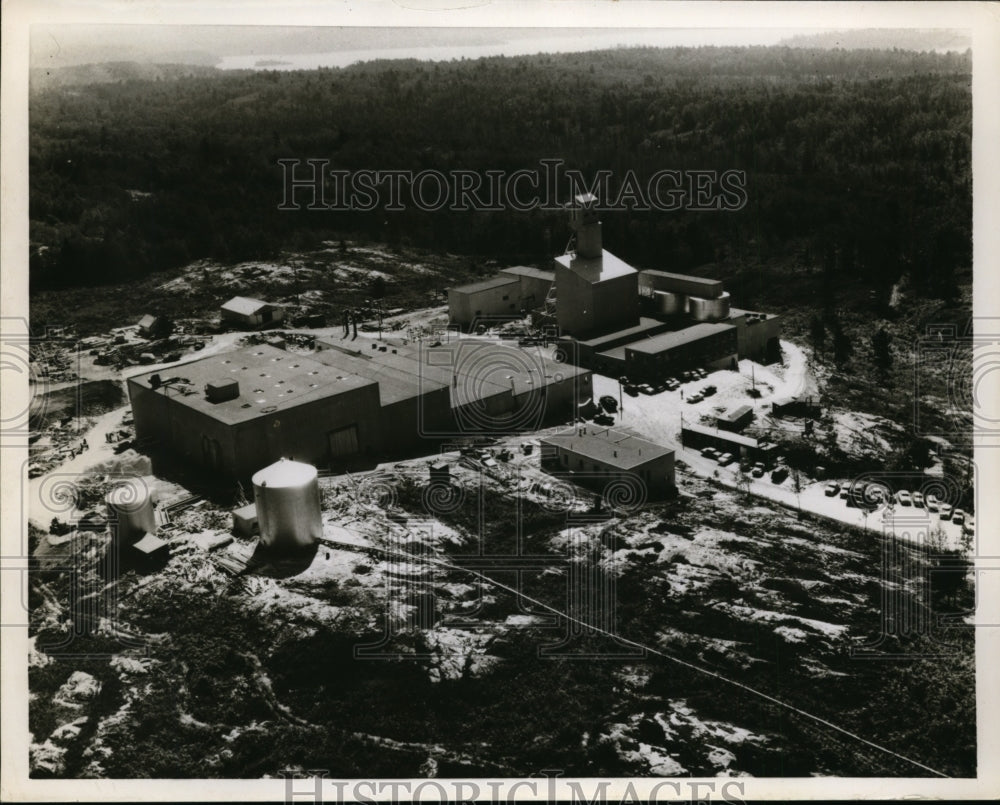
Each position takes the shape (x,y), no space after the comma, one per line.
(236,412)
(595,294)
(534,284)
(596,458)
(707,344)
(652,280)
(496,299)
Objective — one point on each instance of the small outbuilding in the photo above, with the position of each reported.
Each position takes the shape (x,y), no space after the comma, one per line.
(242,311)
(151,326)
(735,419)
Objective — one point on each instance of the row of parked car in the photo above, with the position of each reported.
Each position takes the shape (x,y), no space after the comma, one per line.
(875,493)
(667,384)
(778,474)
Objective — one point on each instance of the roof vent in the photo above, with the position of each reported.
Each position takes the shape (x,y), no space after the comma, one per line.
(222,390)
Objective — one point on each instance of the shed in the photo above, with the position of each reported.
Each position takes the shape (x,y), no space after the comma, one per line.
(248,312)
(735,419)
(245,520)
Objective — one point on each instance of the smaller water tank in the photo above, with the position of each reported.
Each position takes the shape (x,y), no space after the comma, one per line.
(130,511)
(709,309)
(288,504)
(668,303)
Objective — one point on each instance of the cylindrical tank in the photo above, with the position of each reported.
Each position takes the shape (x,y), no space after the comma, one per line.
(669,304)
(130,511)
(288,504)
(709,309)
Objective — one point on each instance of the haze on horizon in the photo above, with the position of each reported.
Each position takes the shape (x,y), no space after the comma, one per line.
(55,46)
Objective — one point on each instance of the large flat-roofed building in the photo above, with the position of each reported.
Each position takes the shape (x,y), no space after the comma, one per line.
(485,302)
(236,412)
(596,457)
(242,311)
(706,344)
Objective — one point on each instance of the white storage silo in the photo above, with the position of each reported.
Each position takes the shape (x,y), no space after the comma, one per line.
(130,511)
(288,504)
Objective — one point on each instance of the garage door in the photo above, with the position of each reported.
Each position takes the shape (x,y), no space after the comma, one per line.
(344,441)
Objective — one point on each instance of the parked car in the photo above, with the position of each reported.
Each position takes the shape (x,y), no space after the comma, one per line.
(945,511)
(958,516)
(970,525)
(918,499)
(710,452)
(932,503)
(695,398)
(609,403)
(758,470)
(726,459)
(708,391)
(645,388)
(903,498)
(831,489)
(631,390)
(779,474)
(604,419)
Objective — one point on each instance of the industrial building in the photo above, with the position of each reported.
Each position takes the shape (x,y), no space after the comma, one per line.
(243,312)
(619,321)
(596,292)
(597,457)
(712,346)
(236,412)
(485,302)
(534,285)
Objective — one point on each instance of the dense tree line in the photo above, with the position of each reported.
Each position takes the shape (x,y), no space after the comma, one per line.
(861,158)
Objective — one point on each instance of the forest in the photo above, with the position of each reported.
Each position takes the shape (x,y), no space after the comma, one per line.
(858,162)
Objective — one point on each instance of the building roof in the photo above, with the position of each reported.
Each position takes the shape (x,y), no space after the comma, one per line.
(735,414)
(712,287)
(613,447)
(150,544)
(735,313)
(664,342)
(270,380)
(245,306)
(148,320)
(596,269)
(729,436)
(528,271)
(485,285)
(645,326)
(395,382)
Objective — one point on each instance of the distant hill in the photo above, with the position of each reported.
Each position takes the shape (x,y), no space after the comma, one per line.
(113,73)
(937,39)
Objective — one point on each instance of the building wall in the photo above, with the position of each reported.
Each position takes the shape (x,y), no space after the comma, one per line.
(758,340)
(185,432)
(532,291)
(715,351)
(584,308)
(403,423)
(657,475)
(558,399)
(277,314)
(239,450)
(651,281)
(302,433)
(464,307)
